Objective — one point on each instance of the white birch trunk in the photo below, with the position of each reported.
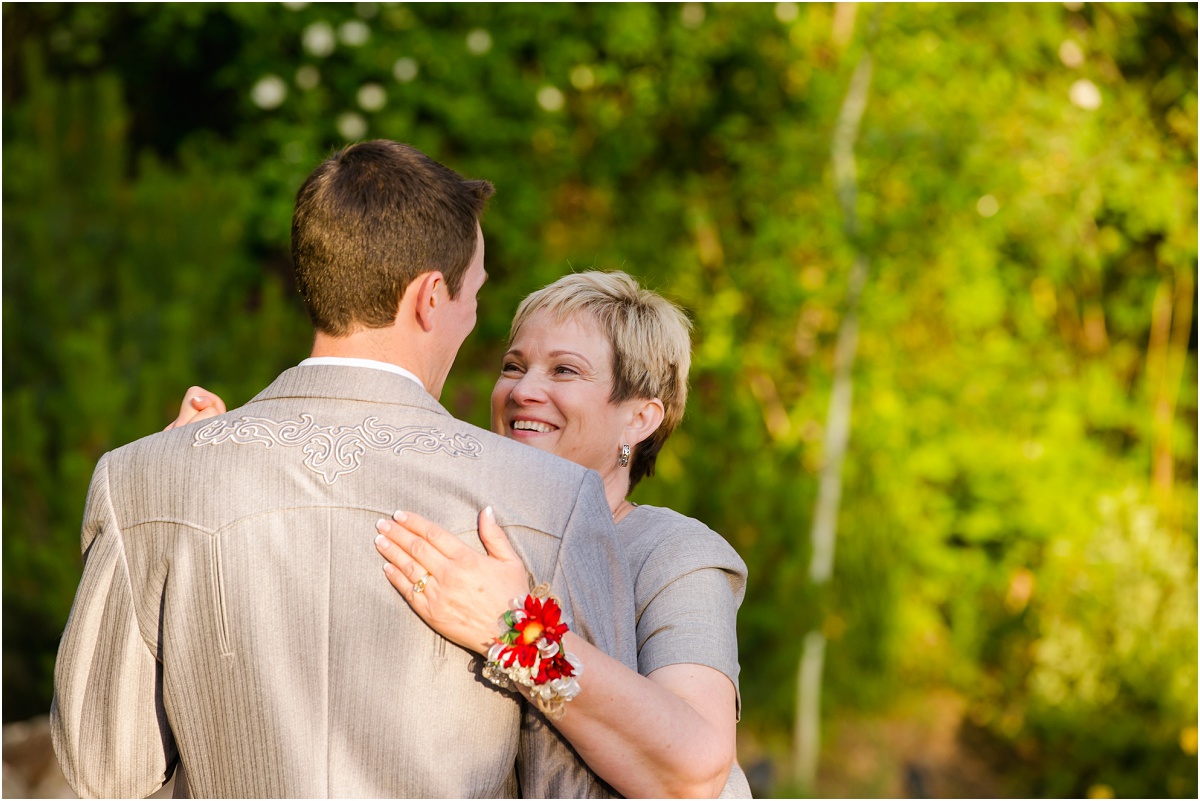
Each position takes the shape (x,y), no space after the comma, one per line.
(807,736)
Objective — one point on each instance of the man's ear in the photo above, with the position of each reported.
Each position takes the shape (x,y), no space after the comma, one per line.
(427,290)
(647,417)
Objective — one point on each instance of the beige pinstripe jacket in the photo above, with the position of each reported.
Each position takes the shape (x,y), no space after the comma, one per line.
(233,614)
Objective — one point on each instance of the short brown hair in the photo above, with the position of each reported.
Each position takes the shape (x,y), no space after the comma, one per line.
(651,345)
(370,219)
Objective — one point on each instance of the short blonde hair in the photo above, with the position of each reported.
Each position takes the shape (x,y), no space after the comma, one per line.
(651,345)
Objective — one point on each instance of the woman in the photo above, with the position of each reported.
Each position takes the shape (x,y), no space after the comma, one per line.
(596,372)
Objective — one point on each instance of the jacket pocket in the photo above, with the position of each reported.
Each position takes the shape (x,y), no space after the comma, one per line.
(218,585)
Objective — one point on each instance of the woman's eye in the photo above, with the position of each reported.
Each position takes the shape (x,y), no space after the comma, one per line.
(510,367)
(562,369)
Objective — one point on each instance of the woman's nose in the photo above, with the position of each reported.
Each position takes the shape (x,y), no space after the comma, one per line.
(528,389)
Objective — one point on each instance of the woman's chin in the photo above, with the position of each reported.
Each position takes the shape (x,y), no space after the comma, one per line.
(542,442)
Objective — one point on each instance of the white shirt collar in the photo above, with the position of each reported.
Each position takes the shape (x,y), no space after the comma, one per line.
(346,361)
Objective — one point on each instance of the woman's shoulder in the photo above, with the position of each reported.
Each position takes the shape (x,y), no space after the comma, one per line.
(663,543)
(648,528)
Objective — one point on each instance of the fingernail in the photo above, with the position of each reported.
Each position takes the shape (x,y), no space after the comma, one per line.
(399,516)
(489,514)
(387,568)
(381,541)
(196,401)
(382,525)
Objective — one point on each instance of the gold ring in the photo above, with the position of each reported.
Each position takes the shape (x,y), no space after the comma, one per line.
(420,585)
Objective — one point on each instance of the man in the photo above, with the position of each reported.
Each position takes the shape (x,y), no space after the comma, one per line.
(233,617)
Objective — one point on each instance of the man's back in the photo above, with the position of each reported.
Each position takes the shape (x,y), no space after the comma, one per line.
(230,570)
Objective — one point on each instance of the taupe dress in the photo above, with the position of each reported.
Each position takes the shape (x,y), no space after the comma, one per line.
(688,585)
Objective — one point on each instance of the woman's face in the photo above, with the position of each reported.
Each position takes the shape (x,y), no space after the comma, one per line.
(553,392)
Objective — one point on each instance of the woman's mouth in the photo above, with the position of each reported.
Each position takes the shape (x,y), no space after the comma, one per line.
(532,425)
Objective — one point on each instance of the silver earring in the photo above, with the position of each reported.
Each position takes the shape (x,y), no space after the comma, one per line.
(623,460)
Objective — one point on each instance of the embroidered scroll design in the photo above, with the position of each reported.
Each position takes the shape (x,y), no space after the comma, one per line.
(334,451)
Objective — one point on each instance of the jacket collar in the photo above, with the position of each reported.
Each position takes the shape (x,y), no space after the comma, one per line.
(345,382)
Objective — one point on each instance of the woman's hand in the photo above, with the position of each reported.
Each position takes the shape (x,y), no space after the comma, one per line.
(459,592)
(198,404)
(670,735)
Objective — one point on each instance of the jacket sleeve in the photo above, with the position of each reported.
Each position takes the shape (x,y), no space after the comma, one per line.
(592,576)
(107,720)
(592,581)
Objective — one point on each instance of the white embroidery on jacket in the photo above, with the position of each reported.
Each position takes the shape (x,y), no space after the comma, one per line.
(334,451)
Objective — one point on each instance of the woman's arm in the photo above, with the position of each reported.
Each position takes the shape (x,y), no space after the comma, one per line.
(667,735)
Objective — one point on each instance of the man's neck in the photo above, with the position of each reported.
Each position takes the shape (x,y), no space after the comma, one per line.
(373,344)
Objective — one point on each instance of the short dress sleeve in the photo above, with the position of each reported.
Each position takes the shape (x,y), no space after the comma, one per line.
(688,585)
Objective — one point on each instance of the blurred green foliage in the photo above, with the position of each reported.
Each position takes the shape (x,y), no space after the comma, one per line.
(1019,514)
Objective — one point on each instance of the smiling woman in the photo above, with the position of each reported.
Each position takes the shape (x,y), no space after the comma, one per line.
(554,393)
(596,372)
(632,345)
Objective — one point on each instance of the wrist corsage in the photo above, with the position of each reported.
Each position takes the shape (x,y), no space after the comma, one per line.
(529,652)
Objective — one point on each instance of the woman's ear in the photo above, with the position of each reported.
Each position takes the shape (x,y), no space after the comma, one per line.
(647,417)
(427,289)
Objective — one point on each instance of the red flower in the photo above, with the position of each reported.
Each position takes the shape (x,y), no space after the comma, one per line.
(543,620)
(555,668)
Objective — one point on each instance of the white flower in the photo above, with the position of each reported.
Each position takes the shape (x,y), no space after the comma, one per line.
(308,77)
(269,92)
(692,15)
(582,77)
(318,39)
(987,206)
(1085,95)
(351,125)
(371,97)
(354,33)
(479,41)
(550,98)
(405,69)
(566,688)
(1070,53)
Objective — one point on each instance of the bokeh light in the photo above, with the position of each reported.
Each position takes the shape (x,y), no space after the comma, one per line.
(582,77)
(405,69)
(308,77)
(1085,94)
(550,98)
(371,97)
(1070,53)
(318,39)
(354,33)
(269,92)
(987,206)
(351,125)
(479,41)
(691,15)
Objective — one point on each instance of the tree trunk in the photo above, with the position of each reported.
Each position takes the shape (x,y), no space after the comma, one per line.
(807,736)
